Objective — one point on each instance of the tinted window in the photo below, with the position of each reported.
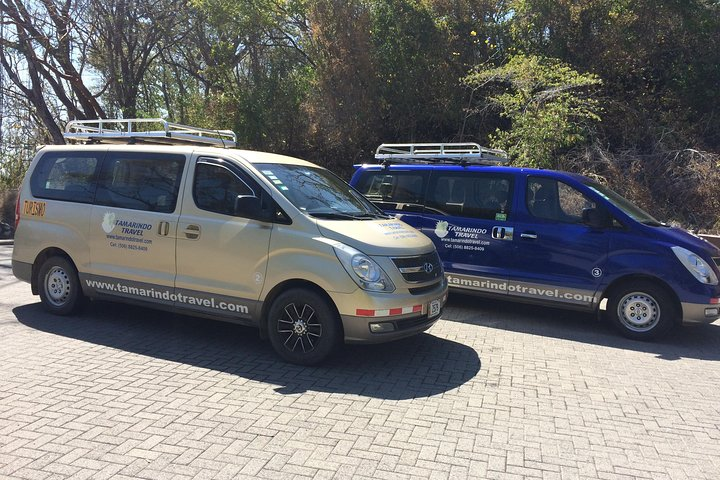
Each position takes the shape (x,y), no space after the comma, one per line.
(473,195)
(215,188)
(140,181)
(553,200)
(394,189)
(66,176)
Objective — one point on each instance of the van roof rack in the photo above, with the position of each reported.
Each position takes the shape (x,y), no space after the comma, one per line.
(462,153)
(140,130)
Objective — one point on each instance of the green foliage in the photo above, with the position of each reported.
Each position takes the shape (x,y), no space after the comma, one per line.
(342,107)
(13,164)
(414,79)
(330,79)
(242,67)
(549,107)
(19,140)
(659,61)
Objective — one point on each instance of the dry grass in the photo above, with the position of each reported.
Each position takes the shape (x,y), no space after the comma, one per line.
(680,187)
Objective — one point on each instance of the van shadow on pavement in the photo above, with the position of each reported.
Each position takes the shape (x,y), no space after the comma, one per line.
(419,366)
(699,341)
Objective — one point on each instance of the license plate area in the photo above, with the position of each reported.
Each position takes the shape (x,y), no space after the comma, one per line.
(434,308)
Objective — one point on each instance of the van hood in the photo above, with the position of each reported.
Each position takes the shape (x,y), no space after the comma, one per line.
(386,237)
(683,238)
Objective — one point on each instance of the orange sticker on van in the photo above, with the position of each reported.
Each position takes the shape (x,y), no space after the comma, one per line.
(34,209)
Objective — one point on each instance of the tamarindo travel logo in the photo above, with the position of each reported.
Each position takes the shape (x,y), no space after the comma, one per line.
(108,223)
(441,229)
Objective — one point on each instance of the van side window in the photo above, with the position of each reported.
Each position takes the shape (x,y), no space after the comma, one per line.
(395,190)
(554,200)
(473,195)
(140,181)
(66,176)
(215,188)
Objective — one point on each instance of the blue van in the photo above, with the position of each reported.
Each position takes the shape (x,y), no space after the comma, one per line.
(546,237)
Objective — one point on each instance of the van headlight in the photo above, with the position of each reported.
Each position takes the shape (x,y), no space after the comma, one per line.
(696,265)
(363,269)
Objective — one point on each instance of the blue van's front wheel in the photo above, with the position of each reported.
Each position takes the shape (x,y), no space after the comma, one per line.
(641,310)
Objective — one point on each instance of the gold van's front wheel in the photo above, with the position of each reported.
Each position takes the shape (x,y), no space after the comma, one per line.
(302,327)
(59,286)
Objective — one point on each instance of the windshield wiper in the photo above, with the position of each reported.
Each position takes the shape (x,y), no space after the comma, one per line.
(333,215)
(372,215)
(346,216)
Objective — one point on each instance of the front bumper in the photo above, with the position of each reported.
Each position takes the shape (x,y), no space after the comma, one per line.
(696,313)
(357,329)
(401,315)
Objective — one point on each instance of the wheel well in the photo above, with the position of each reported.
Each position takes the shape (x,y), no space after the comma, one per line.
(286,285)
(40,259)
(620,282)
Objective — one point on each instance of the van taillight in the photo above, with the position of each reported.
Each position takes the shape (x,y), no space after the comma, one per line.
(17,212)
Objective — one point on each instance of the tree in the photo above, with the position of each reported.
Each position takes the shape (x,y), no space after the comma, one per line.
(548,105)
(416,70)
(243,66)
(343,104)
(659,61)
(43,54)
(126,37)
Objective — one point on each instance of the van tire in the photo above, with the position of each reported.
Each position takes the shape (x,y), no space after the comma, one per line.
(59,287)
(302,327)
(642,310)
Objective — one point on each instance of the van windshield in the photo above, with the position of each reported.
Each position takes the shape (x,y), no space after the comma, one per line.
(319,193)
(629,208)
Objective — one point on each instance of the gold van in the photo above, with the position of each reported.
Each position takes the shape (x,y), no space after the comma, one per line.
(175,222)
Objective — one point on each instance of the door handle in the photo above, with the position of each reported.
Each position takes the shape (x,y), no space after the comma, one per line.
(192,232)
(530,235)
(502,233)
(163,228)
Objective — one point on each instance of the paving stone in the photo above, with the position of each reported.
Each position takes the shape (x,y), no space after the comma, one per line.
(493,391)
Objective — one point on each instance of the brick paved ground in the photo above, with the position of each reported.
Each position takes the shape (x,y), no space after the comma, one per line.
(491,391)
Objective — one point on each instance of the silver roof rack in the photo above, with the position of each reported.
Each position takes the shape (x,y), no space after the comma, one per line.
(145,130)
(465,153)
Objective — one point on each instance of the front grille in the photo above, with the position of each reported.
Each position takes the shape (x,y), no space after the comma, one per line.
(717,261)
(423,290)
(421,268)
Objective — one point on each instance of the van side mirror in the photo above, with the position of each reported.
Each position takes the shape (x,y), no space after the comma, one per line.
(261,208)
(596,218)
(247,206)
